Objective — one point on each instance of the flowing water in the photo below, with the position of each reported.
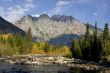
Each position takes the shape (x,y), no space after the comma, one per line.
(13,68)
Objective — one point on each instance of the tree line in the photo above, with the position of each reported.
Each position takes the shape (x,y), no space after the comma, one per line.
(18,45)
(15,44)
(93,46)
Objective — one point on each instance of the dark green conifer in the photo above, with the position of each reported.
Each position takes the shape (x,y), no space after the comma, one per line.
(29,39)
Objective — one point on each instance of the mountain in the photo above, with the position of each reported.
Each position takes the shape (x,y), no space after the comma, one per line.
(7,27)
(57,29)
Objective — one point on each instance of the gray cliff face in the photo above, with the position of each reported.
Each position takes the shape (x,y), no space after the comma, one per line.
(58,29)
(7,27)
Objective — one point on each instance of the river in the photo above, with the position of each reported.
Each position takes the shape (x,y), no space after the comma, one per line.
(53,68)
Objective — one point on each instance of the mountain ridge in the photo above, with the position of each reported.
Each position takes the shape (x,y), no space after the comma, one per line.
(46,28)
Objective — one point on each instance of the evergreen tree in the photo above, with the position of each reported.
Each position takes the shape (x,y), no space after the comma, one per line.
(106,41)
(86,44)
(29,40)
(75,49)
(19,43)
(87,34)
(95,45)
(99,48)
(106,32)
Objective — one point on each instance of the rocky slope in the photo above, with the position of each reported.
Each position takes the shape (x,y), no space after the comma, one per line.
(57,29)
(7,27)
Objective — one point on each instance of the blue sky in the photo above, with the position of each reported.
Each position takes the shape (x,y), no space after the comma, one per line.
(83,10)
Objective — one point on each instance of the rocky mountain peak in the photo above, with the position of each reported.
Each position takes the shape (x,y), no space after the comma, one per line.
(45,16)
(28,18)
(57,18)
(62,18)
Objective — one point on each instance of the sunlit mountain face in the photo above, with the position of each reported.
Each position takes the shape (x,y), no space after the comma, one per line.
(56,29)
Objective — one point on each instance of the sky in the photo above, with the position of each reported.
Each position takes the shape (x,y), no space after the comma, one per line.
(83,10)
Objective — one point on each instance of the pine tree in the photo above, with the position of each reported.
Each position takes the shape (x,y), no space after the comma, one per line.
(106,41)
(87,34)
(29,40)
(19,43)
(75,49)
(95,45)
(106,32)
(86,44)
(94,48)
(99,48)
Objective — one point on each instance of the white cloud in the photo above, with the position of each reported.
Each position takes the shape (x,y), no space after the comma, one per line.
(29,3)
(66,2)
(61,6)
(12,14)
